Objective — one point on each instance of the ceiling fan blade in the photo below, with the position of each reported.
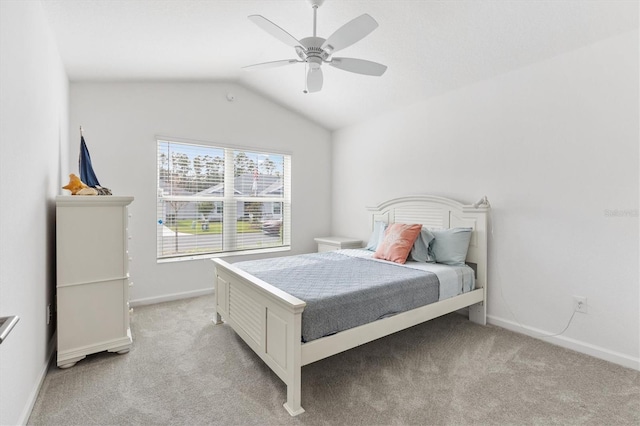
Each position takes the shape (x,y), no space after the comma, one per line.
(272,64)
(314,80)
(351,32)
(274,30)
(359,66)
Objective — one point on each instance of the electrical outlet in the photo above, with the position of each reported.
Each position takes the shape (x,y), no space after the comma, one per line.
(580,304)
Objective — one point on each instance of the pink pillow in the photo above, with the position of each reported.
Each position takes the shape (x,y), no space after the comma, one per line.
(397,242)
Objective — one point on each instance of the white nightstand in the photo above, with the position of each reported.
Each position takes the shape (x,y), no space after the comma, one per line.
(336,243)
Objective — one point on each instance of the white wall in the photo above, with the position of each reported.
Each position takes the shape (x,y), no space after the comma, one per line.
(121,121)
(553,146)
(34,111)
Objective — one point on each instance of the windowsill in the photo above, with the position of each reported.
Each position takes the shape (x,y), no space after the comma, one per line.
(224,254)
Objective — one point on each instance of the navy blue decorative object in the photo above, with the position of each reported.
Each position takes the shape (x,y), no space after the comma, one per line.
(87,174)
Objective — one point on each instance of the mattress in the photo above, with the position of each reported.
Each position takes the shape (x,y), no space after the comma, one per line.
(454,280)
(347,288)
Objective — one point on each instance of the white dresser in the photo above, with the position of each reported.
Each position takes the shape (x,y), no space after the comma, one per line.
(92,276)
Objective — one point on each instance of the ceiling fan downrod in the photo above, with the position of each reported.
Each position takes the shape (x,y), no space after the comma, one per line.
(315,4)
(315,16)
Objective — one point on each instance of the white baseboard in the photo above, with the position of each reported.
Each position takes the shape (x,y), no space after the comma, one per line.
(169,297)
(566,342)
(33,396)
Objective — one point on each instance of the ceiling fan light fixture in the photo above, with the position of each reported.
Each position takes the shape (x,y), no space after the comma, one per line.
(314,62)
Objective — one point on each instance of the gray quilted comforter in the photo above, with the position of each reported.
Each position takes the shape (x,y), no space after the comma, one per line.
(343,292)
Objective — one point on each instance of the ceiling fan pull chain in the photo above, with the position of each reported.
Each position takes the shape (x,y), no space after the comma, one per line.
(306,89)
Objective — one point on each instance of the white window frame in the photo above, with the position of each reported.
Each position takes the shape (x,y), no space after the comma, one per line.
(229,203)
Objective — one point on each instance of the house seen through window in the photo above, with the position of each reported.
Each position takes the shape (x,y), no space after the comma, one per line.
(216,200)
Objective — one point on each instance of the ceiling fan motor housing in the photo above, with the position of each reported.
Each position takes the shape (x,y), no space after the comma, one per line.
(313,53)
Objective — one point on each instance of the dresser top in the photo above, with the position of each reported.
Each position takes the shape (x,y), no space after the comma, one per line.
(92,200)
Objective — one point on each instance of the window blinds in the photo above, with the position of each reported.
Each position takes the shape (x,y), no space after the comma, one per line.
(214,200)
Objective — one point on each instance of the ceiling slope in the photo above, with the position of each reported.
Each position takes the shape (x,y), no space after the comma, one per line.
(430,47)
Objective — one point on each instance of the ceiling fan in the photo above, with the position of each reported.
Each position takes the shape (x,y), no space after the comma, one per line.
(314,51)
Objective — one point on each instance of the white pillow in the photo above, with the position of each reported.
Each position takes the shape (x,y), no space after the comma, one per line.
(450,246)
(421,251)
(376,236)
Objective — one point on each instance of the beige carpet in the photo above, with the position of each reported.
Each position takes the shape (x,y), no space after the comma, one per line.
(183,370)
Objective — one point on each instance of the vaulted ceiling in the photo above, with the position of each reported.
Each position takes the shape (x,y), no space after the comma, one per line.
(430,47)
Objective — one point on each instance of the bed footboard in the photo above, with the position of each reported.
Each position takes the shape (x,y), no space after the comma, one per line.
(267,319)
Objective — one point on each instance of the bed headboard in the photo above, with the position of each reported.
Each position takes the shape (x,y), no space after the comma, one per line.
(438,212)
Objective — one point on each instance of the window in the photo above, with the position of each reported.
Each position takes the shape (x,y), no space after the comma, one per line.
(219,200)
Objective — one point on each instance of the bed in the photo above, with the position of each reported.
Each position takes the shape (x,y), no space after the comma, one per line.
(270,319)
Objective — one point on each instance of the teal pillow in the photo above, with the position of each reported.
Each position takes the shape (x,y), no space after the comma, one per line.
(376,236)
(420,251)
(450,246)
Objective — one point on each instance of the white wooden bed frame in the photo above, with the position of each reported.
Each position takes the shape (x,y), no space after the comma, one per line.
(270,320)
